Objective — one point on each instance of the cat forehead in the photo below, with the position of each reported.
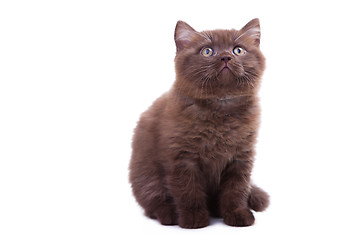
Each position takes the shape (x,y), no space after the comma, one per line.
(223,37)
(220,37)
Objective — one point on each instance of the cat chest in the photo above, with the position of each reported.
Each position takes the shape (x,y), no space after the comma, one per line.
(215,141)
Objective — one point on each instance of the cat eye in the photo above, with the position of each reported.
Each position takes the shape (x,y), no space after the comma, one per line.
(207,52)
(239,51)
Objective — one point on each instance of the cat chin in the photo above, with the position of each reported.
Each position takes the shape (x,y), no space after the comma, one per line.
(227,74)
(226,78)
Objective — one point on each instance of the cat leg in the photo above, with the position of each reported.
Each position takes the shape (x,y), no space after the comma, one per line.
(235,190)
(187,190)
(164,210)
(159,204)
(153,196)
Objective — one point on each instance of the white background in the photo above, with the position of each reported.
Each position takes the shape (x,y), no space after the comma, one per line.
(75,76)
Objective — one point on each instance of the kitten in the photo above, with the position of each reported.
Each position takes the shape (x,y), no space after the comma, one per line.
(193,149)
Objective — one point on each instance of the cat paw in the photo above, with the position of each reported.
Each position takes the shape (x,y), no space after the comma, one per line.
(239,218)
(166,215)
(194,219)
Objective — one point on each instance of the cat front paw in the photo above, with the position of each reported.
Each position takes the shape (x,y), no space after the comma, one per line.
(194,219)
(239,218)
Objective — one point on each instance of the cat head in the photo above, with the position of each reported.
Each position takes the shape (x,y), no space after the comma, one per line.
(220,64)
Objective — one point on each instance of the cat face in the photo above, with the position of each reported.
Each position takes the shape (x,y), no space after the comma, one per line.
(220,64)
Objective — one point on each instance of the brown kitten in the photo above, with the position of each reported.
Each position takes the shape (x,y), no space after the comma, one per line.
(193,150)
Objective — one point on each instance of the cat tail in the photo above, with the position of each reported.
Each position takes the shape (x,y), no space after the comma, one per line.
(258,199)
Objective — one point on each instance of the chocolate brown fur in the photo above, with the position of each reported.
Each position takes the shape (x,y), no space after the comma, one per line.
(193,150)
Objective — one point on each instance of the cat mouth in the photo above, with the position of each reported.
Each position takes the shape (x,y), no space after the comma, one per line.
(225,69)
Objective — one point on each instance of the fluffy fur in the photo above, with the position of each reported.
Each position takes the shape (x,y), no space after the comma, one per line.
(193,149)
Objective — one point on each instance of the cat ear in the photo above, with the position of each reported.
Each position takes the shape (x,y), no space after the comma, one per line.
(183,35)
(252,31)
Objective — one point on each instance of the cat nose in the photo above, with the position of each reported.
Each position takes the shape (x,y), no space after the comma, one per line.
(226,59)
